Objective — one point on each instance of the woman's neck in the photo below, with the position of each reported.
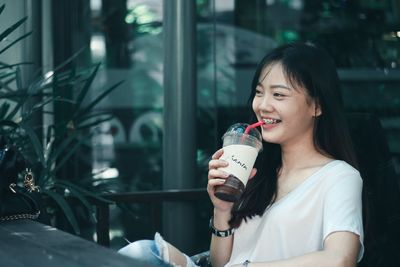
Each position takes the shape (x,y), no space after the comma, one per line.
(302,155)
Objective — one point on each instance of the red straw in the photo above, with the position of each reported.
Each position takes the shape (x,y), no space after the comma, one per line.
(254,125)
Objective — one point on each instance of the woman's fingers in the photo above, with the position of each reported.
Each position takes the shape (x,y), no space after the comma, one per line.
(212,183)
(215,182)
(217,154)
(216,163)
(215,173)
(253,173)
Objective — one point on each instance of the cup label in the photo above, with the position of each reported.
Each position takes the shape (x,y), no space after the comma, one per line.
(241,159)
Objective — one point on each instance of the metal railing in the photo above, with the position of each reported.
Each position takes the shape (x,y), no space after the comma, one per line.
(154,198)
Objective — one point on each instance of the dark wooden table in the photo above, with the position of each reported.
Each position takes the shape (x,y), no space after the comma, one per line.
(26,243)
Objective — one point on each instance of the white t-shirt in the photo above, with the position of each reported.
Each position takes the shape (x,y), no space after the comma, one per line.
(328,201)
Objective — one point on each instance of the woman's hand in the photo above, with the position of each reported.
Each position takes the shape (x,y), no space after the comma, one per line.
(217,177)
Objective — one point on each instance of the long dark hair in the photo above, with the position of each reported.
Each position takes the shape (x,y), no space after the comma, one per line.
(311,68)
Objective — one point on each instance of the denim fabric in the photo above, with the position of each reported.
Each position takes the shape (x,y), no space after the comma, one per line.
(147,254)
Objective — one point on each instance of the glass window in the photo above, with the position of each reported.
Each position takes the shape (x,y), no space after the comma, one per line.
(127,38)
(362,36)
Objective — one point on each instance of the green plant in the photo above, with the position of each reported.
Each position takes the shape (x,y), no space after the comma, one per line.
(63,139)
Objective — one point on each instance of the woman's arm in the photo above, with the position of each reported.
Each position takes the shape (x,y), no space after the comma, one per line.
(340,250)
(221,247)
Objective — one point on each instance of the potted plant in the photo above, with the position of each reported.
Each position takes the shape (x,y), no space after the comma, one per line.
(63,139)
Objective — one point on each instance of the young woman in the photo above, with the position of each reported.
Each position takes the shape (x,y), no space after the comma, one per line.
(302,206)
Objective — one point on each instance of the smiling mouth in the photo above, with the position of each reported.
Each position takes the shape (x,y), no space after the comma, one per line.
(271,121)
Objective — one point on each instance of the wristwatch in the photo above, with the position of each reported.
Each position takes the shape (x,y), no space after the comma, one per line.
(219,233)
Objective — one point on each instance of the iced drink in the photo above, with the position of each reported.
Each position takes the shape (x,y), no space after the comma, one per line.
(240,151)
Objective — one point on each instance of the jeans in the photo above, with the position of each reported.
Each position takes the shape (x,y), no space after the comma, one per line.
(149,253)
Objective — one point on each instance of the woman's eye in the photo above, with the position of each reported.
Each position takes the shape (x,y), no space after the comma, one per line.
(278,95)
(258,92)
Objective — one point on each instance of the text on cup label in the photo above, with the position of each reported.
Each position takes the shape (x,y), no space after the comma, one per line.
(238,162)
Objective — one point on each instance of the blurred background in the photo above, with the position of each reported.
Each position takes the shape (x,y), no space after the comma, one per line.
(228,38)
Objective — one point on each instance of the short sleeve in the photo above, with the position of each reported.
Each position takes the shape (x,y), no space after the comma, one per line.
(343,207)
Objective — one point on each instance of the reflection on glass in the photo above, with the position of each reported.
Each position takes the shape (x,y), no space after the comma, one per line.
(232,36)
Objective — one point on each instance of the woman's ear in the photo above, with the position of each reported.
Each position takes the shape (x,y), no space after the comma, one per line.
(317,108)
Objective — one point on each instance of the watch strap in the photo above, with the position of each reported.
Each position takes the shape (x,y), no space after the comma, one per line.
(219,233)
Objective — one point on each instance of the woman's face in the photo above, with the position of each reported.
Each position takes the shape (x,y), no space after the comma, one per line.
(288,111)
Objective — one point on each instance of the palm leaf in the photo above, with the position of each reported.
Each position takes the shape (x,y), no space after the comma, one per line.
(2,8)
(15,41)
(12,28)
(8,123)
(37,146)
(96,122)
(4,84)
(4,109)
(93,115)
(6,74)
(43,103)
(62,203)
(84,191)
(72,58)
(10,66)
(18,78)
(15,110)
(99,98)
(14,94)
(81,198)
(86,88)
(60,148)
(67,156)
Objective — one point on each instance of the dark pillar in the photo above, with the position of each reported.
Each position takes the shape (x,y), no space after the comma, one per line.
(179,147)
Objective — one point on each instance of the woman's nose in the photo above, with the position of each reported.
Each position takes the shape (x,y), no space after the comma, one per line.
(265,104)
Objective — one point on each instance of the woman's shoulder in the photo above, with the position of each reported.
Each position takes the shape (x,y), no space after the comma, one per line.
(343,166)
(340,171)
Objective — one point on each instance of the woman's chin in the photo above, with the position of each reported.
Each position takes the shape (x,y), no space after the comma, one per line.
(270,139)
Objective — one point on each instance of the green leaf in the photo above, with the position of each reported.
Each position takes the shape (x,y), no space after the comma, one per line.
(42,103)
(15,110)
(37,146)
(8,123)
(84,191)
(5,107)
(72,58)
(10,66)
(67,156)
(50,130)
(99,98)
(94,115)
(81,198)
(6,74)
(88,125)
(60,149)
(18,78)
(16,41)
(2,8)
(14,95)
(86,88)
(65,207)
(12,28)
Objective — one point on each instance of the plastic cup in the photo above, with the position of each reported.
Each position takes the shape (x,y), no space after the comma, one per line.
(240,151)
